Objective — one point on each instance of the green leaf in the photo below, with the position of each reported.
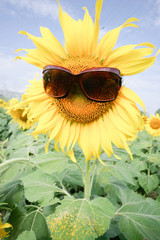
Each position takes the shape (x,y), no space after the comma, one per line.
(52,162)
(81,219)
(112,232)
(128,195)
(16,219)
(140,220)
(121,171)
(27,235)
(15,170)
(141,165)
(32,220)
(8,173)
(22,144)
(11,193)
(40,186)
(72,176)
(50,209)
(148,182)
(18,146)
(154,158)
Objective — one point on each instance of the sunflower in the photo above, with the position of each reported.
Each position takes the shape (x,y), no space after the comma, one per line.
(3,103)
(2,231)
(143,121)
(152,125)
(19,114)
(75,118)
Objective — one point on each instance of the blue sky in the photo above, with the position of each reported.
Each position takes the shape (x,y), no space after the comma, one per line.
(29,15)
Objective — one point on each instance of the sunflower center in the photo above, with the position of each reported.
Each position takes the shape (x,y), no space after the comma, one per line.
(155,123)
(21,115)
(76,106)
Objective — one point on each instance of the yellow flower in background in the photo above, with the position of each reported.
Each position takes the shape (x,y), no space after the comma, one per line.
(3,104)
(152,125)
(143,121)
(19,114)
(145,118)
(93,125)
(2,231)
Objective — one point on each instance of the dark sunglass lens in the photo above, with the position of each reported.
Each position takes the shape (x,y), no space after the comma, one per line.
(56,82)
(101,86)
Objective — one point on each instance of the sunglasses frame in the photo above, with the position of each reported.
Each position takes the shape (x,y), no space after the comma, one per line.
(78,79)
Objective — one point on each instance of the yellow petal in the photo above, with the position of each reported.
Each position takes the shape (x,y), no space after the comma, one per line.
(55,130)
(72,32)
(6,225)
(121,51)
(126,146)
(44,52)
(96,25)
(135,66)
(127,53)
(109,40)
(71,155)
(113,134)
(73,136)
(131,95)
(105,138)
(130,109)
(42,47)
(77,132)
(125,115)
(62,138)
(36,111)
(52,43)
(32,61)
(84,141)
(121,125)
(94,139)
(87,34)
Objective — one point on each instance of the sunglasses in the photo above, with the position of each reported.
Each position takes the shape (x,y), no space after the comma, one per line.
(100,84)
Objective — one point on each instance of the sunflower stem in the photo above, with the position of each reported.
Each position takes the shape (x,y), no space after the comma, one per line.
(92,171)
(13,160)
(87,181)
(83,177)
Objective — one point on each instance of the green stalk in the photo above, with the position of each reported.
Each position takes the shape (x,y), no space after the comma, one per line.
(13,160)
(92,171)
(87,181)
(83,177)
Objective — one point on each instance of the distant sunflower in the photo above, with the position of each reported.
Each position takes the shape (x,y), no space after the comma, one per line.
(3,103)
(3,233)
(152,125)
(19,114)
(143,121)
(75,118)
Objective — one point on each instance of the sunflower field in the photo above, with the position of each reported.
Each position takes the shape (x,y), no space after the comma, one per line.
(42,195)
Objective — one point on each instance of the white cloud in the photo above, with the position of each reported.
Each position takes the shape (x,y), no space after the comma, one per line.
(41,7)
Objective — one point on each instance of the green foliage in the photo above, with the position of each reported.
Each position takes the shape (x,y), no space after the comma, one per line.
(148,182)
(41,187)
(12,193)
(42,195)
(4,121)
(81,219)
(30,219)
(27,235)
(140,219)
